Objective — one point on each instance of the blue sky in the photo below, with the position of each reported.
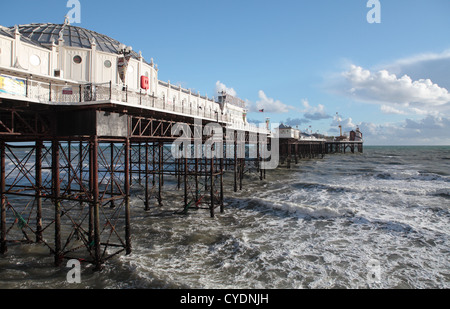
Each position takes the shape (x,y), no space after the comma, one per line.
(302,61)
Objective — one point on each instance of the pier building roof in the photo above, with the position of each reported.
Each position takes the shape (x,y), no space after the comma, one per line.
(48,33)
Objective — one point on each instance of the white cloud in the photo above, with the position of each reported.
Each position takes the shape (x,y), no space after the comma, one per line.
(387,89)
(270,105)
(421,58)
(417,87)
(347,124)
(391,110)
(222,87)
(314,113)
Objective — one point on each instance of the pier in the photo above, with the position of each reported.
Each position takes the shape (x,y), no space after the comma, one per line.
(73,147)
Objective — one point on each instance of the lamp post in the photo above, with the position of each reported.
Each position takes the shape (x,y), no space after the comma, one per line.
(125,51)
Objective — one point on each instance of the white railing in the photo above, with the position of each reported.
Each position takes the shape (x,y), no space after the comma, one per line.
(54,94)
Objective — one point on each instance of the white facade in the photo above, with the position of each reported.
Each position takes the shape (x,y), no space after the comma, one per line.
(61,62)
(288,132)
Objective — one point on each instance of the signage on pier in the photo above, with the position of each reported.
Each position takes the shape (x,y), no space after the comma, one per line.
(13,86)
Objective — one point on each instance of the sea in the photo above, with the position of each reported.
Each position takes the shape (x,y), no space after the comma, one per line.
(376,220)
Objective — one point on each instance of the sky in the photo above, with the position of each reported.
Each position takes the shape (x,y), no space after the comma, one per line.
(314,64)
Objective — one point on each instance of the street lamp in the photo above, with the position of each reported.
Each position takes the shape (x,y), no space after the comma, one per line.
(123,62)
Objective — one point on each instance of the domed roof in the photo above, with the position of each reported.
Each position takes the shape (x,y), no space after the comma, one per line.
(73,36)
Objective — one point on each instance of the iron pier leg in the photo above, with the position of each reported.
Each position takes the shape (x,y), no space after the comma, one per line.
(3,247)
(160,172)
(146,203)
(96,206)
(127,199)
(91,190)
(80,165)
(112,175)
(57,201)
(221,185)
(185,183)
(38,198)
(153,164)
(139,161)
(241,172)
(235,162)
(69,170)
(211,174)
(206,173)
(288,155)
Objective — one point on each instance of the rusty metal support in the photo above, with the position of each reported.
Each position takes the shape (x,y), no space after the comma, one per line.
(235,162)
(241,172)
(91,190)
(146,198)
(112,174)
(160,172)
(127,199)
(196,180)
(38,183)
(3,246)
(185,160)
(211,175)
(221,185)
(95,203)
(57,201)
(153,164)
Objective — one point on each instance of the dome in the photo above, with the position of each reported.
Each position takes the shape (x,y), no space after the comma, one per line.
(47,34)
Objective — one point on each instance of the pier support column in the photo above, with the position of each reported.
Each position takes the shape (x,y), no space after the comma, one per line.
(146,201)
(185,174)
(127,198)
(153,164)
(221,185)
(196,180)
(288,155)
(38,183)
(211,175)
(95,203)
(235,162)
(241,172)
(112,174)
(57,202)
(160,172)
(296,153)
(3,247)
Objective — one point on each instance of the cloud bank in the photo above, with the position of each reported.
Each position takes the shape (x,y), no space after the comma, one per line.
(396,94)
(270,105)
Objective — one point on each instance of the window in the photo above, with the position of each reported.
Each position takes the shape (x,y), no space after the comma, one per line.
(108,64)
(77,59)
(35,60)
